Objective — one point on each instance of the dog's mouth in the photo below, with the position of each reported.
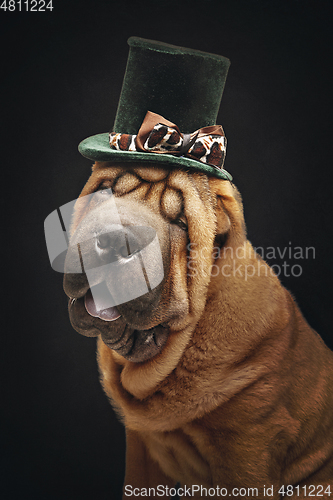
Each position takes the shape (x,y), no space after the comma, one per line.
(130,342)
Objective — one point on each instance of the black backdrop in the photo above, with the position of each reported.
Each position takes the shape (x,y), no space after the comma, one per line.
(61,75)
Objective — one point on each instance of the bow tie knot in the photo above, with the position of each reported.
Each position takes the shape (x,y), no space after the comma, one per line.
(158,135)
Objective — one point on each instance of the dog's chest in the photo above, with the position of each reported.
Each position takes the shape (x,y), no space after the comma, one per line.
(178,456)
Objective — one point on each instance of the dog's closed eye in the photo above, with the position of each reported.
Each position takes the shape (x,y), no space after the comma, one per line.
(106,184)
(181,222)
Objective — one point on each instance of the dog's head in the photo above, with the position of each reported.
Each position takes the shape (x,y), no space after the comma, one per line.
(191,214)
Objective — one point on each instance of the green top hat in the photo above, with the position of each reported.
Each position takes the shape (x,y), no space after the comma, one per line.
(180,84)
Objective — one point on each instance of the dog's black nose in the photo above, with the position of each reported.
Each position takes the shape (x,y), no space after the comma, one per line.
(115,245)
(103,241)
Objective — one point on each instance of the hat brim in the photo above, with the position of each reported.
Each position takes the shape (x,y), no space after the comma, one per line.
(97,148)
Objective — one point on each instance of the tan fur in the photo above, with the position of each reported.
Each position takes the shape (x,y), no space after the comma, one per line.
(241,395)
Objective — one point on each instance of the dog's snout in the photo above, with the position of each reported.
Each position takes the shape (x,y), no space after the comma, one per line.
(75,285)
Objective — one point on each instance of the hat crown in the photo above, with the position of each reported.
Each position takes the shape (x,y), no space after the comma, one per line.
(184,85)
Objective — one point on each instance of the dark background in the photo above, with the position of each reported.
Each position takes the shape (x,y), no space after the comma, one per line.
(61,75)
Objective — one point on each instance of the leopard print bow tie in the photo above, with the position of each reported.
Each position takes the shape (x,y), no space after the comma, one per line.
(158,135)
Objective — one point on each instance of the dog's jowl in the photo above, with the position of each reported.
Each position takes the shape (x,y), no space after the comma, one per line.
(223,387)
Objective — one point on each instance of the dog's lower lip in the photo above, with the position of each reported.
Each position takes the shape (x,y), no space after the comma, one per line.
(144,344)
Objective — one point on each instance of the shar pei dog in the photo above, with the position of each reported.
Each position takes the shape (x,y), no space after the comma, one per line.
(222,386)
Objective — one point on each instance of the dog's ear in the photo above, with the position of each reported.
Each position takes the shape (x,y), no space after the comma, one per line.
(229,211)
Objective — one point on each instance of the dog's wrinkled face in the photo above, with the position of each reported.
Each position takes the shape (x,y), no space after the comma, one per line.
(177,207)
